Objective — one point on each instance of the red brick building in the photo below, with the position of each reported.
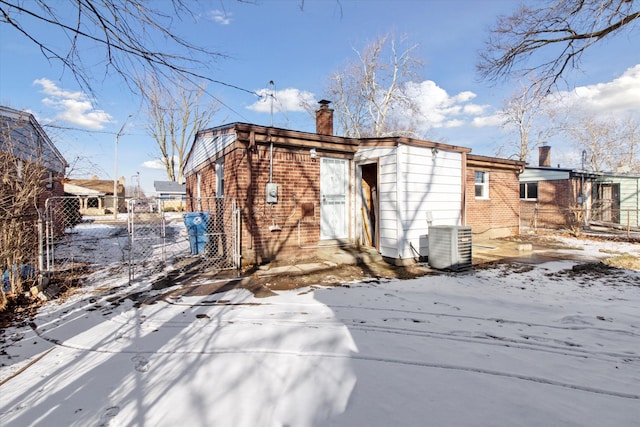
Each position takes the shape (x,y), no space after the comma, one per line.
(298,191)
(492,196)
(554,197)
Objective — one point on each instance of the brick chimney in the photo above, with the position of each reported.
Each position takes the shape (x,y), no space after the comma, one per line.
(544,156)
(324,118)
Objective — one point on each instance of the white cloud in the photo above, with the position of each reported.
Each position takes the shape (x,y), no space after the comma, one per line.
(441,110)
(620,95)
(464,96)
(154,164)
(456,123)
(73,107)
(50,88)
(289,99)
(219,17)
(487,121)
(474,109)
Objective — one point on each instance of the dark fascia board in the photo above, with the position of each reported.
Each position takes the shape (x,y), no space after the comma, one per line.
(394,141)
(297,138)
(495,162)
(550,168)
(283,138)
(323,142)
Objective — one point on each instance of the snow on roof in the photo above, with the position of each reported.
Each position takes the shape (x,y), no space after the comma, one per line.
(169,187)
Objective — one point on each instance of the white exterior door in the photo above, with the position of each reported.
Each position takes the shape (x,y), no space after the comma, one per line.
(333,198)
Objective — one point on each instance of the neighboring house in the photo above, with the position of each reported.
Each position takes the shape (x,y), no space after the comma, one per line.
(95,196)
(299,191)
(23,140)
(171,194)
(554,197)
(616,200)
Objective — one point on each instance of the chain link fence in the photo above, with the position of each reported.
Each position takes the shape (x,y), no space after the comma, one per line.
(576,219)
(149,238)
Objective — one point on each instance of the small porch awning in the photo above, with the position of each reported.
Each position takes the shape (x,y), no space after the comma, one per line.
(76,190)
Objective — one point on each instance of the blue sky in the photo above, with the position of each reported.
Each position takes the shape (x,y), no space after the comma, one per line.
(298,49)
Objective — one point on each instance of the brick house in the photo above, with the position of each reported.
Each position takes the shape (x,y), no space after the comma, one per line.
(23,140)
(554,197)
(616,200)
(31,171)
(299,191)
(492,196)
(95,196)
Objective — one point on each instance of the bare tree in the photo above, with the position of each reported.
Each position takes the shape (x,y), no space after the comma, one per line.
(527,114)
(612,145)
(563,29)
(371,89)
(21,187)
(175,115)
(136,37)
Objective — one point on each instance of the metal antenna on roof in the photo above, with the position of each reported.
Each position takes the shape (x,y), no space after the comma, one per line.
(272,96)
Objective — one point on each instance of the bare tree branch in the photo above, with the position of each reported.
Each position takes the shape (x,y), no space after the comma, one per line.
(612,145)
(369,90)
(129,33)
(175,115)
(527,115)
(561,30)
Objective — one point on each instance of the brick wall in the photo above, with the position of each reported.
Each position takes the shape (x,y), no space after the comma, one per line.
(553,208)
(499,215)
(56,190)
(289,228)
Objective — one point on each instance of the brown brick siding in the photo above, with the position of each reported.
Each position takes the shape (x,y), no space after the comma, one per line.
(246,175)
(57,189)
(554,206)
(499,215)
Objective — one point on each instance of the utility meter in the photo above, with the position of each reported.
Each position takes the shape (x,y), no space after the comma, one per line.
(271,193)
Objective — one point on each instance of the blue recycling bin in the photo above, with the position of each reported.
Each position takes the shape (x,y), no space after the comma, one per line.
(26,272)
(196,223)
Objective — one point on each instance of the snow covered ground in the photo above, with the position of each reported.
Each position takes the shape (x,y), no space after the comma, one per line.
(531,345)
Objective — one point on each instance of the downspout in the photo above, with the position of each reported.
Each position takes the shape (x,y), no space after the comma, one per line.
(272,95)
(464,189)
(270,155)
(520,171)
(270,159)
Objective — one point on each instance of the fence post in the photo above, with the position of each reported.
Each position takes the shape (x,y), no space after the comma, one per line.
(41,243)
(629,224)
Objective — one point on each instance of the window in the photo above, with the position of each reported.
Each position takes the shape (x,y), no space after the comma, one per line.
(529,190)
(482,184)
(220,177)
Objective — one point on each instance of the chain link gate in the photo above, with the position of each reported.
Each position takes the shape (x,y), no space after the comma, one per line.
(149,238)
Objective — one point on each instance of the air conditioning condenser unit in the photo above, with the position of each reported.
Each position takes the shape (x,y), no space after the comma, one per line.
(450,247)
